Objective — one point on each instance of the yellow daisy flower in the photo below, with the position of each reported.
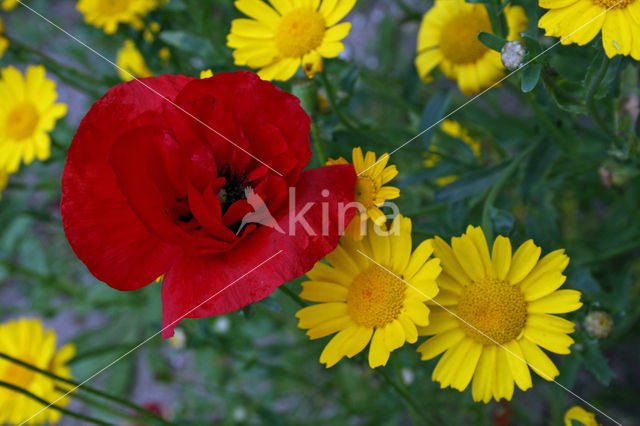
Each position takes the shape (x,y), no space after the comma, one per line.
(580,415)
(131,62)
(370,190)
(364,296)
(109,14)
(9,4)
(455,130)
(26,339)
(448,38)
(620,25)
(27,112)
(502,305)
(279,39)
(4,43)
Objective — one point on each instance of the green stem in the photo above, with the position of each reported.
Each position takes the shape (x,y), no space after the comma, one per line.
(101,406)
(333,103)
(317,142)
(548,122)
(293,296)
(404,395)
(97,392)
(54,407)
(591,102)
(487,225)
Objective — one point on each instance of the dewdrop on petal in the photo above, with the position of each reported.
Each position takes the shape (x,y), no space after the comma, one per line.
(512,54)
(598,324)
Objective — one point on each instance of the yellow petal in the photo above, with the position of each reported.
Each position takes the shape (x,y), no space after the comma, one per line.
(334,351)
(501,257)
(559,302)
(394,335)
(448,260)
(417,312)
(400,244)
(503,380)
(440,343)
(329,327)
(410,330)
(517,364)
(555,342)
(523,261)
(340,10)
(378,352)
(538,360)
(318,291)
(546,285)
(482,387)
(337,32)
(330,49)
(358,341)
(313,315)
(468,257)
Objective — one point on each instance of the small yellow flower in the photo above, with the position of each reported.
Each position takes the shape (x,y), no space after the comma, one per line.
(455,130)
(26,339)
(364,302)
(131,62)
(580,415)
(370,190)
(502,305)
(206,74)
(109,14)
(448,38)
(279,39)
(27,112)
(580,21)
(164,53)
(4,43)
(9,4)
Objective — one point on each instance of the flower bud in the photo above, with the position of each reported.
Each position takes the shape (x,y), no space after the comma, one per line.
(512,54)
(598,324)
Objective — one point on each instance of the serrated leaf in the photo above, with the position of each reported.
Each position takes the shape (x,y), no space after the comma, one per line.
(596,363)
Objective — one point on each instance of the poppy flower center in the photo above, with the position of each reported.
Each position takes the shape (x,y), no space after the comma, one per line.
(112,7)
(365,191)
(492,311)
(613,4)
(299,32)
(22,121)
(375,297)
(459,38)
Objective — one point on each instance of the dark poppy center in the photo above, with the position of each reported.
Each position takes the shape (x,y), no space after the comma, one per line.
(233,190)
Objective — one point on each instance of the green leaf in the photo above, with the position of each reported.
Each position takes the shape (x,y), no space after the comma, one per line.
(596,363)
(533,46)
(492,41)
(434,111)
(503,221)
(188,42)
(471,183)
(530,76)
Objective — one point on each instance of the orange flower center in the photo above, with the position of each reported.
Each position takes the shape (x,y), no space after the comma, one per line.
(112,7)
(299,32)
(375,297)
(459,38)
(21,121)
(492,311)
(613,4)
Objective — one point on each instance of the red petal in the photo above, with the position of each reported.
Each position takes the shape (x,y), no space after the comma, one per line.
(197,287)
(102,229)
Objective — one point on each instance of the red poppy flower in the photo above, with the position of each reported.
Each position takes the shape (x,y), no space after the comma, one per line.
(153,187)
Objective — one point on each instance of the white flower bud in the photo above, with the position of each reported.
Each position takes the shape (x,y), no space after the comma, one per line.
(512,54)
(598,324)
